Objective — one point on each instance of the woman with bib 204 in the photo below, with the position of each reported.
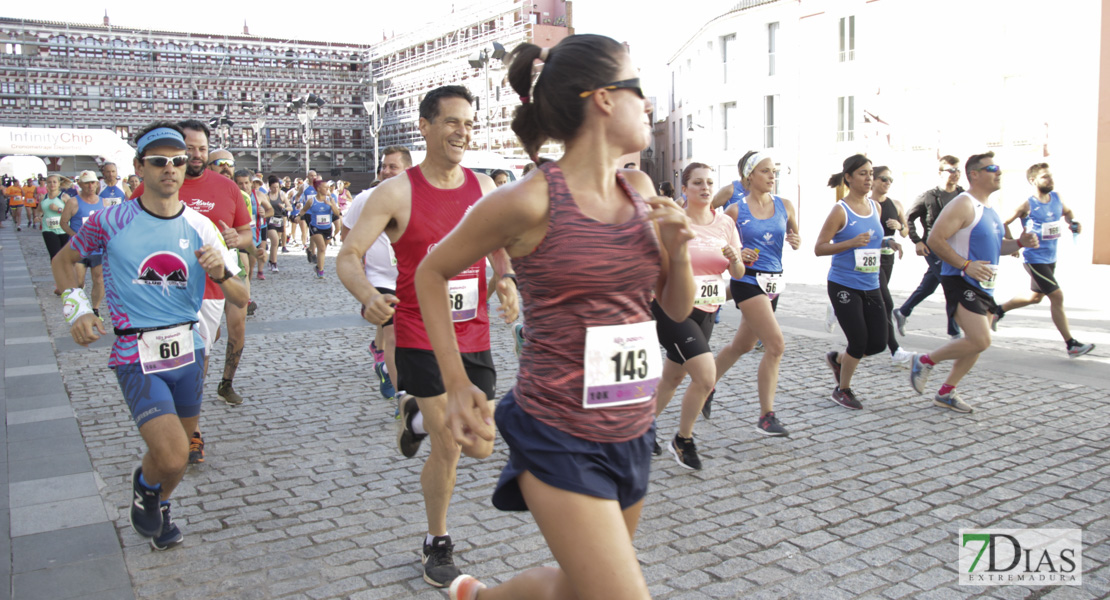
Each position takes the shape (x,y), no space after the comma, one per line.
(589,252)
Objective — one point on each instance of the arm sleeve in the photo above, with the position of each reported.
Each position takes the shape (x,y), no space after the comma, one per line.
(917,211)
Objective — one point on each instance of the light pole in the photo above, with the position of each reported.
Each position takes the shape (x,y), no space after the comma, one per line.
(375,110)
(307,107)
(480,60)
(258,125)
(221,126)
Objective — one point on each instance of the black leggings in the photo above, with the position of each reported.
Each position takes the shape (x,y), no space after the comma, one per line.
(886,268)
(54,242)
(860,313)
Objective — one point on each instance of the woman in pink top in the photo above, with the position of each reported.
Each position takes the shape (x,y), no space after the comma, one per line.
(714,251)
(589,252)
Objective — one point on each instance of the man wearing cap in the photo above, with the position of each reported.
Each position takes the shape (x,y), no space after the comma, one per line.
(161,255)
(218,199)
(78,210)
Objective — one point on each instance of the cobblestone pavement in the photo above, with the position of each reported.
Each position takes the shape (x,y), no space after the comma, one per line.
(303,494)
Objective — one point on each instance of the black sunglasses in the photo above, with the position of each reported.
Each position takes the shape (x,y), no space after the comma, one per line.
(625,84)
(886,179)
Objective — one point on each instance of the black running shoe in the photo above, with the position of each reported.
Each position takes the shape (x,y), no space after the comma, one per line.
(846,399)
(835,366)
(685,453)
(769,425)
(170,536)
(408,441)
(707,408)
(656,449)
(439,564)
(146,514)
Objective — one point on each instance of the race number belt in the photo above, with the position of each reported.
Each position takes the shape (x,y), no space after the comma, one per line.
(709,289)
(163,348)
(867,260)
(622,365)
(1052,230)
(989,283)
(772,284)
(462,296)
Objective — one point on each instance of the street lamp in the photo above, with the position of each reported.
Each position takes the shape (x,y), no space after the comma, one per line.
(221,126)
(307,107)
(480,60)
(375,110)
(258,125)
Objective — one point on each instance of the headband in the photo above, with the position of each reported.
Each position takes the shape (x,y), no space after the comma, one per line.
(164,135)
(750,164)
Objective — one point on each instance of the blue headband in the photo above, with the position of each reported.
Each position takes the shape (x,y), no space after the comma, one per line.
(164,136)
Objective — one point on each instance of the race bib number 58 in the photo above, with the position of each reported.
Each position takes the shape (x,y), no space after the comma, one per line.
(622,365)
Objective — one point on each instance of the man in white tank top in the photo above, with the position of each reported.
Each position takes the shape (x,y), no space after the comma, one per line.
(380,266)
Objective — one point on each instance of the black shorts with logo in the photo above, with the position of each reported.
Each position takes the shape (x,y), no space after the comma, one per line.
(958,292)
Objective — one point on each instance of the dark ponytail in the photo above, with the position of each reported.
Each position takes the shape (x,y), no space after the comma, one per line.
(553,108)
(526,120)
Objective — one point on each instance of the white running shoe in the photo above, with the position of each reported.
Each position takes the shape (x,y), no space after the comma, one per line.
(901,357)
(830,318)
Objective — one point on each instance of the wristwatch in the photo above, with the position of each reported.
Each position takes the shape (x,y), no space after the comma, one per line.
(227,275)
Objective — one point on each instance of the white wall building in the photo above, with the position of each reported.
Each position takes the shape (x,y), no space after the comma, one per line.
(903,81)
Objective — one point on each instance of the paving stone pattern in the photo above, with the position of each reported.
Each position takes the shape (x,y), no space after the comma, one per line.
(303,494)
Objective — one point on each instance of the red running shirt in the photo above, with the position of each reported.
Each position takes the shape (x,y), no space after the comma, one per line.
(217,198)
(584,273)
(435,212)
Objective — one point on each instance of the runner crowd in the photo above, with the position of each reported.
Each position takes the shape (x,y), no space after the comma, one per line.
(604,267)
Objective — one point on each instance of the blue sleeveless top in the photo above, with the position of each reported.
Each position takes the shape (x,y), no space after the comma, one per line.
(319,209)
(858,268)
(84,211)
(766,235)
(738,192)
(982,240)
(1039,214)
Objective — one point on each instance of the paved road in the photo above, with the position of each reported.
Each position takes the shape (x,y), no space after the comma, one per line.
(304,496)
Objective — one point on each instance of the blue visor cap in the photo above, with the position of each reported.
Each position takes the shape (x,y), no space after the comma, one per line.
(163,136)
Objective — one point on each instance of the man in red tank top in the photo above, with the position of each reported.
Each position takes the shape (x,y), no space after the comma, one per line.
(416,210)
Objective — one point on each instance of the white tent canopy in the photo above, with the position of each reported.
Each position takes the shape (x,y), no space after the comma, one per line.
(22,167)
(68,142)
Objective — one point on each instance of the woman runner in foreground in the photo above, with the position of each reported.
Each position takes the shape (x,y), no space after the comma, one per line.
(589,252)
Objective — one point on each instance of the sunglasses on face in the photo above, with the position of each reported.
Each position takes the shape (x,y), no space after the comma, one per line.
(625,84)
(950,170)
(989,169)
(886,179)
(223,162)
(159,162)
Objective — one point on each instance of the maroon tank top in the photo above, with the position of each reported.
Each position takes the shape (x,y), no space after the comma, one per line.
(435,212)
(584,273)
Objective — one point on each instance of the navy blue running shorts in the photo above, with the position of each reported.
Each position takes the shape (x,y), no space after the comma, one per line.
(177,392)
(613,471)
